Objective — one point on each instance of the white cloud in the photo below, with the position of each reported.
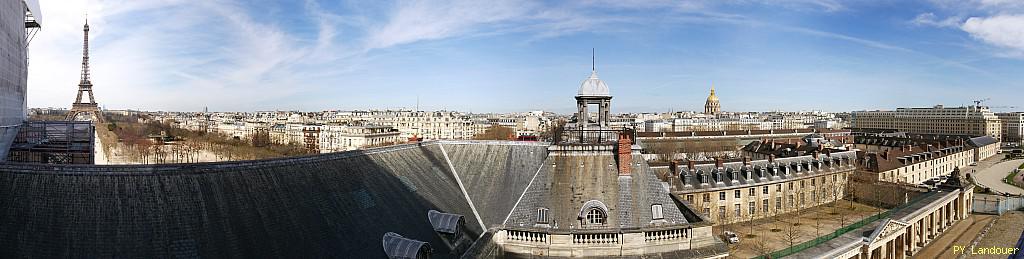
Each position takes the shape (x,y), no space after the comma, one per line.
(929,19)
(1002,30)
(196,54)
(413,21)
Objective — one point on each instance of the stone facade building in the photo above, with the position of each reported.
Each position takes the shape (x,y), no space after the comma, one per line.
(335,138)
(917,158)
(970,120)
(1012,126)
(595,196)
(748,190)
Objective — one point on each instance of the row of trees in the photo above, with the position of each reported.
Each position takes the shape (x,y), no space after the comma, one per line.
(693,149)
(139,140)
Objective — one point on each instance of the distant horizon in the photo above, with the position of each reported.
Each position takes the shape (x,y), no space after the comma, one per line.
(655,56)
(507,112)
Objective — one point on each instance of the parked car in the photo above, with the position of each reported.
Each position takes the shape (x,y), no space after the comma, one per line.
(731,237)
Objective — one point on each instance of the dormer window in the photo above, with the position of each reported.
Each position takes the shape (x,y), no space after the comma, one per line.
(656,212)
(596,217)
(542,215)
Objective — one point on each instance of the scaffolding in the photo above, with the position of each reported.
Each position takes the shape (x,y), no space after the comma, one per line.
(54,142)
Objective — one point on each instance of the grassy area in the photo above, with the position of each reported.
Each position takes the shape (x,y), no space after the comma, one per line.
(1009,178)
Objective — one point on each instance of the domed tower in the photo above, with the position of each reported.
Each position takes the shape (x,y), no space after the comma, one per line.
(711,106)
(593,91)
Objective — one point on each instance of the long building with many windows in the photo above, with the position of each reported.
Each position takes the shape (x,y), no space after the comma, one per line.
(970,120)
(742,191)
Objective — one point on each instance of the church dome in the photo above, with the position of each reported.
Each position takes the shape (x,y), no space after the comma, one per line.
(712,97)
(593,86)
(712,106)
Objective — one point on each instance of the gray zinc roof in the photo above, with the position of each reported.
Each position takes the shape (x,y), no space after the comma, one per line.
(761,171)
(336,205)
(593,86)
(568,185)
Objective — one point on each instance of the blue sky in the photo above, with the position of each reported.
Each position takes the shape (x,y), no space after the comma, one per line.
(506,56)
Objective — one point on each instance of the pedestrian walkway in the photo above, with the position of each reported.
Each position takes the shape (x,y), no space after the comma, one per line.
(962,234)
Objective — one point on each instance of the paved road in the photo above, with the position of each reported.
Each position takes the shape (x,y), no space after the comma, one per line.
(992,177)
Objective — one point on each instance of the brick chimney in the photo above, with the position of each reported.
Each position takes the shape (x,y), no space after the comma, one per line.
(673,166)
(625,154)
(814,154)
(719,163)
(690,164)
(771,158)
(746,161)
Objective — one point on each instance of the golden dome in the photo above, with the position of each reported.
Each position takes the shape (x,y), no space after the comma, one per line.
(712,97)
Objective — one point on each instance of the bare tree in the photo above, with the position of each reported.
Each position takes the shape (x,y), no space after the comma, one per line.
(792,234)
(817,225)
(761,246)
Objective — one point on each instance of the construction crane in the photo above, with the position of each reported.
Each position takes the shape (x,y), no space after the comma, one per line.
(978,102)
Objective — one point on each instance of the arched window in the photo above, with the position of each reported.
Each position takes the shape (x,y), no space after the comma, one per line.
(596,217)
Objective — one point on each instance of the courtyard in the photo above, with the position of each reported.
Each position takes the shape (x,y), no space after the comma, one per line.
(763,236)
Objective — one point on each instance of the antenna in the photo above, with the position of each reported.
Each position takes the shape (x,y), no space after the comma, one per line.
(593,59)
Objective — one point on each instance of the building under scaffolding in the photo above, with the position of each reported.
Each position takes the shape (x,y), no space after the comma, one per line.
(54,142)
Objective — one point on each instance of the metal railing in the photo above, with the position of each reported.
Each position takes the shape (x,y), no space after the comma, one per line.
(591,136)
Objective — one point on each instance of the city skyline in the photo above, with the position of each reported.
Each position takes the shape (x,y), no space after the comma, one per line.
(655,56)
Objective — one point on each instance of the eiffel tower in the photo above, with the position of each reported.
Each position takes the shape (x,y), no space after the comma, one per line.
(80,108)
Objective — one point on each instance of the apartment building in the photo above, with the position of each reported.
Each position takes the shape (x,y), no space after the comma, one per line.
(916,158)
(335,138)
(970,120)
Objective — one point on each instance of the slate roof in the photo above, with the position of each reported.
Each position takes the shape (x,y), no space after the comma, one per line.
(900,157)
(568,184)
(982,141)
(495,175)
(336,205)
(761,171)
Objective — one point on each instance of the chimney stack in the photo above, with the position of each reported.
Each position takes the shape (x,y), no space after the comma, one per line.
(673,166)
(719,163)
(771,158)
(746,161)
(625,154)
(814,154)
(690,164)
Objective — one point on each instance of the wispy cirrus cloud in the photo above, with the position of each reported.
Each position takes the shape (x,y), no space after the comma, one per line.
(930,19)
